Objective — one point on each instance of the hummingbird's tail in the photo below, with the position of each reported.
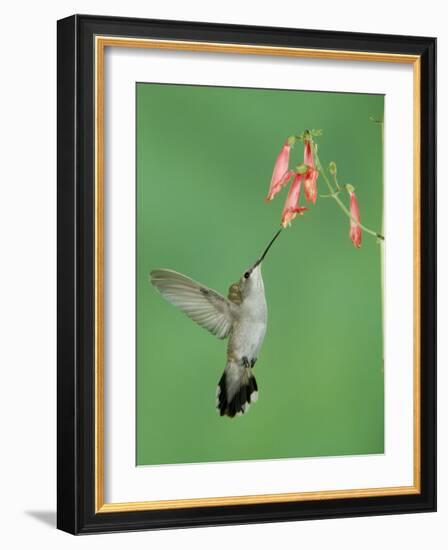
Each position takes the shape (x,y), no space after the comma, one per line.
(236,390)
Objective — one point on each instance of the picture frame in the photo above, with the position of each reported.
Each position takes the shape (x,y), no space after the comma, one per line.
(82,195)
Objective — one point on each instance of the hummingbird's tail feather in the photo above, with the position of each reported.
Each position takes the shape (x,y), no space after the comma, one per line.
(236,390)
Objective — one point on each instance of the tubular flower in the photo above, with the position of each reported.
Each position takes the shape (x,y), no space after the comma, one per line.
(355,229)
(281,174)
(291,208)
(311,175)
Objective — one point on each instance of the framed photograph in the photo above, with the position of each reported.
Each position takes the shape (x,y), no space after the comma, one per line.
(246,274)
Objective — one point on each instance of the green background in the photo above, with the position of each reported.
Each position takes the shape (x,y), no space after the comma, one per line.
(204,162)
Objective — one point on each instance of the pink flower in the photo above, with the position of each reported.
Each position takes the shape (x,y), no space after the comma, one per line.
(311,175)
(291,208)
(281,174)
(355,229)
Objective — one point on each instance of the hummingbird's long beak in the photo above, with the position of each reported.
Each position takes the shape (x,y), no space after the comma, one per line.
(262,257)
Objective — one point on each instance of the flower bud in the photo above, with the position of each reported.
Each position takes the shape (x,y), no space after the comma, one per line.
(355,219)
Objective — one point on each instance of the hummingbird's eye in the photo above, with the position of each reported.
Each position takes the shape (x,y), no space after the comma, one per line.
(247,275)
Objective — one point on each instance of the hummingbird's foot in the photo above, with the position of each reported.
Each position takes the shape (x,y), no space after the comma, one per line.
(248,364)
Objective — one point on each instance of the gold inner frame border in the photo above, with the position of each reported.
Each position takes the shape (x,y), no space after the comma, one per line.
(100,44)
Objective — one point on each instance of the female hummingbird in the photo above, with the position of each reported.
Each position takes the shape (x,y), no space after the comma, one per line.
(241,317)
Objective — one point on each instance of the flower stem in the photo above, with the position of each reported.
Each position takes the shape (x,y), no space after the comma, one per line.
(335,196)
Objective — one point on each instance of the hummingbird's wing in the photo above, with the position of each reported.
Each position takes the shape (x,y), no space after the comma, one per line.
(205,306)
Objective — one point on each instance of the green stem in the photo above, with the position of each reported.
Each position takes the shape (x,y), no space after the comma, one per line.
(340,203)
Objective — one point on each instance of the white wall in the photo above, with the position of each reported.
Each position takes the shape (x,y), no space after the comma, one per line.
(28,272)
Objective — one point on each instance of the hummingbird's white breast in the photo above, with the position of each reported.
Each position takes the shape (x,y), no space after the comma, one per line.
(249,328)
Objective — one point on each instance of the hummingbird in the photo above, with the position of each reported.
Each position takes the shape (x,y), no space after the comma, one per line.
(241,318)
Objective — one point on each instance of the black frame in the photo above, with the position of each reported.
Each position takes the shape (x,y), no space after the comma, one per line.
(75,475)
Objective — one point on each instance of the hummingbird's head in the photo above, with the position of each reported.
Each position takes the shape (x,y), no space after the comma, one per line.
(251,278)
